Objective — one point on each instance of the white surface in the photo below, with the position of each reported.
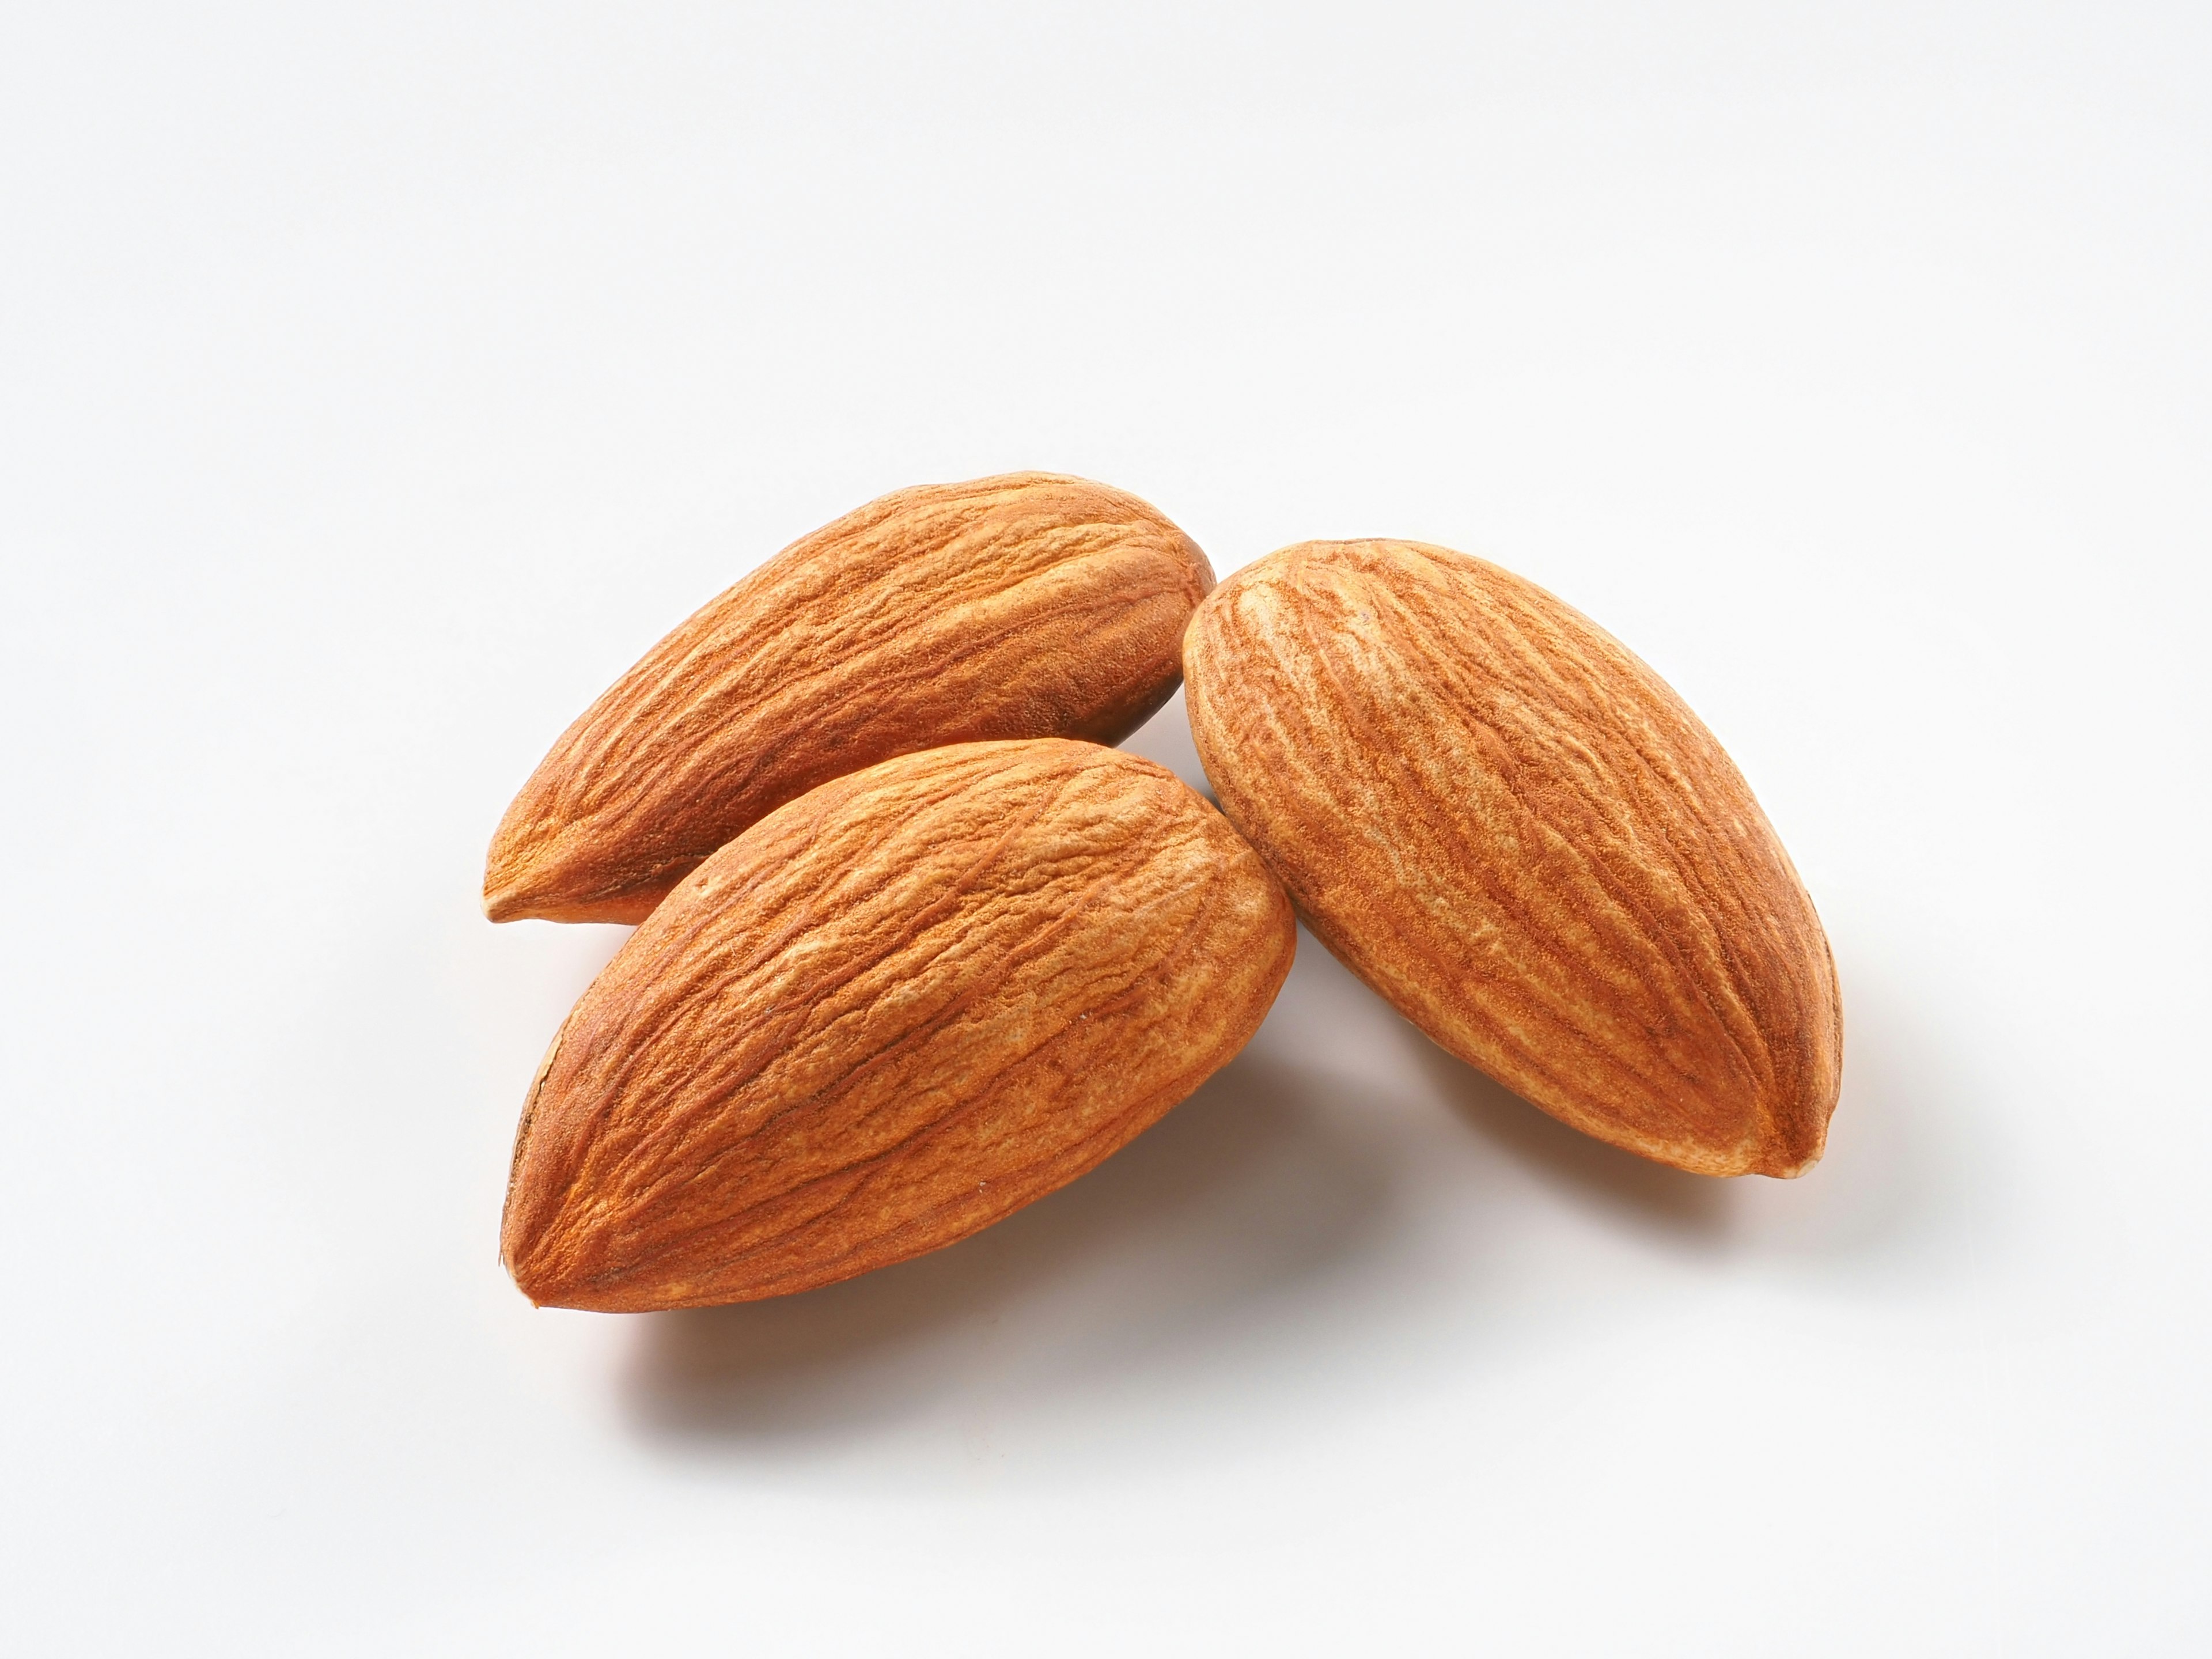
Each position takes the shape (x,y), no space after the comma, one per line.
(374,386)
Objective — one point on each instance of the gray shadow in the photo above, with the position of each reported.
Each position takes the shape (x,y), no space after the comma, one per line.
(1888,1186)
(1243,1225)
(1688,1209)
(1236,1197)
(1165,737)
(1917,1163)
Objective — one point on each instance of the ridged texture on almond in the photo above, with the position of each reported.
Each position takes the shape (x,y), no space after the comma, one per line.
(1022,606)
(1515,832)
(887,1015)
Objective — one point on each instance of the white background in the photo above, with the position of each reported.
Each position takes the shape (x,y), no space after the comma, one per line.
(374,386)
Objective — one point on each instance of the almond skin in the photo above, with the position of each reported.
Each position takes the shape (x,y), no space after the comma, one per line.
(892,1013)
(1513,829)
(1023,607)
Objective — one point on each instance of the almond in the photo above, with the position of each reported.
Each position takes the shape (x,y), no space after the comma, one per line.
(890,1013)
(1517,833)
(1022,606)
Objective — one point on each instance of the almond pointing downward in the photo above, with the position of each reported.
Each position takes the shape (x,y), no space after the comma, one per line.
(1022,606)
(1517,833)
(890,1013)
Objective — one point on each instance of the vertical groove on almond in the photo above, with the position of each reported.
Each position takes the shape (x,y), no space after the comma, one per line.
(1511,828)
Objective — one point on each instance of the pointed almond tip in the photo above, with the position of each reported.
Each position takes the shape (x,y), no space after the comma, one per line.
(522,872)
(1787,1163)
(540,1288)
(523,887)
(512,874)
(519,890)
(539,1296)
(554,1290)
(530,1252)
(503,884)
(509,902)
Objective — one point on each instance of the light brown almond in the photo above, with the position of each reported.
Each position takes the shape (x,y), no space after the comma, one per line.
(1024,606)
(1513,830)
(892,1013)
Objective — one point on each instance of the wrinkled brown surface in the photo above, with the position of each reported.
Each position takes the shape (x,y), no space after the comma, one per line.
(893,1012)
(1023,607)
(1513,829)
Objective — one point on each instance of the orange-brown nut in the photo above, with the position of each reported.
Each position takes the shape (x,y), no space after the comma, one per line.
(1023,607)
(1515,832)
(892,1013)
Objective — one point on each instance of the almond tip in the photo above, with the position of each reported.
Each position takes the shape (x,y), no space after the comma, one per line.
(1783,1165)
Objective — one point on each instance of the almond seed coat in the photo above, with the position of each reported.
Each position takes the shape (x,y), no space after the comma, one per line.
(1513,830)
(890,1013)
(1022,606)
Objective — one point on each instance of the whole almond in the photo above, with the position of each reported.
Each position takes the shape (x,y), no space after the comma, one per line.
(1517,833)
(1024,606)
(892,1013)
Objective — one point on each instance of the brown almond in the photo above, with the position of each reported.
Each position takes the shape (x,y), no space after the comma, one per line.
(1517,833)
(1024,606)
(890,1013)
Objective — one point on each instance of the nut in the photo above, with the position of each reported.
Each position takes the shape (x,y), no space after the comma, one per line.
(1517,834)
(888,1014)
(1022,606)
